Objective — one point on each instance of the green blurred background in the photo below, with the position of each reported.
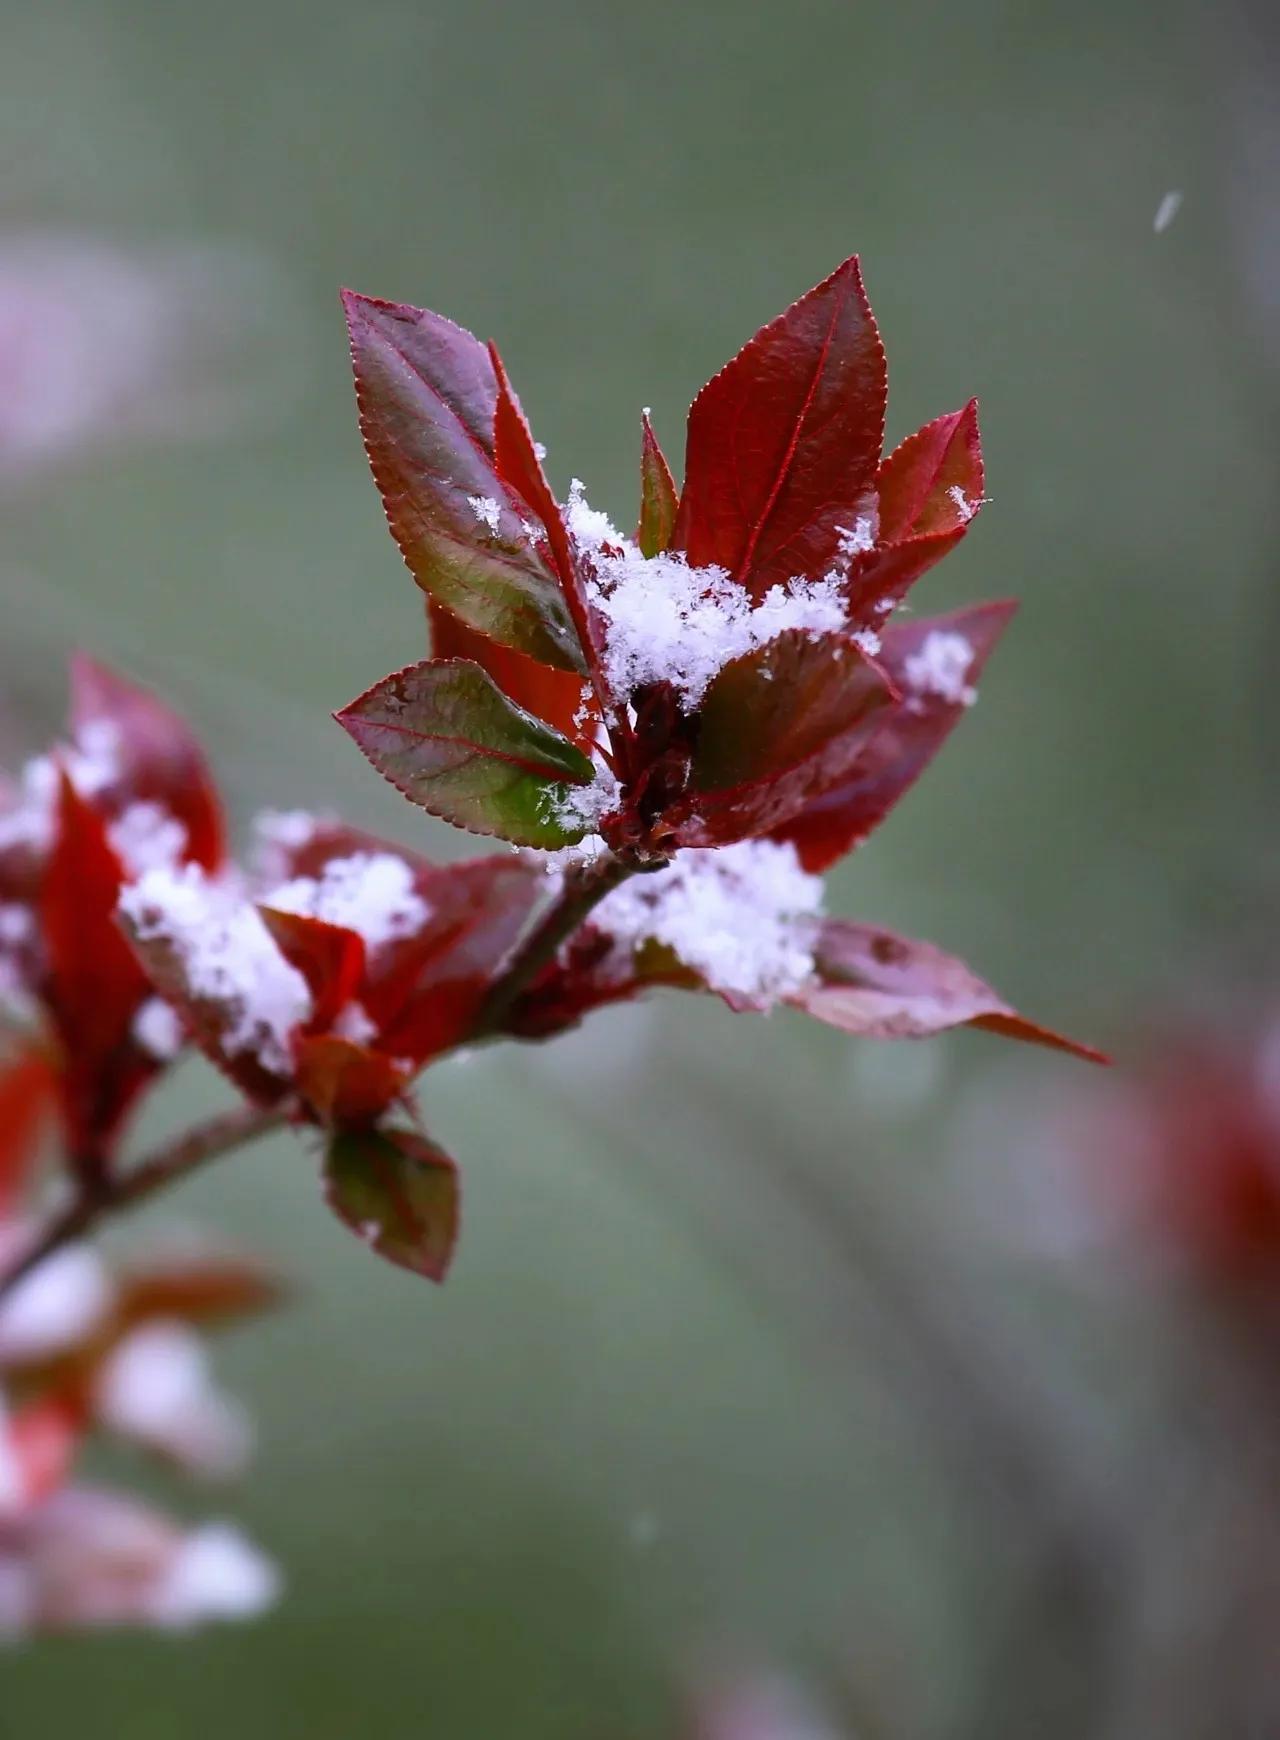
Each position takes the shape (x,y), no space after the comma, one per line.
(673,1416)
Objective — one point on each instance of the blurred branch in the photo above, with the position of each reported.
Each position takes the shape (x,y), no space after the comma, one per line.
(176,1159)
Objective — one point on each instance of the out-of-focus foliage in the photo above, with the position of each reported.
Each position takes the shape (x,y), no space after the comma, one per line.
(726,1373)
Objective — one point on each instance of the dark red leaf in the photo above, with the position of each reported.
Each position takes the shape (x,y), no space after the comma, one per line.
(882,986)
(447,737)
(784,441)
(329,957)
(426,393)
(916,484)
(429,989)
(27,1086)
(658,500)
(160,759)
(94,985)
(399,1193)
(778,726)
(905,741)
(346,1084)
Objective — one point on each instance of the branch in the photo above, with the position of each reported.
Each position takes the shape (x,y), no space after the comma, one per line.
(96,1198)
(175,1159)
(584,888)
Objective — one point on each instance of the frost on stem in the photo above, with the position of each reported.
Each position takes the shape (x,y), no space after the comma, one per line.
(667,622)
(740,916)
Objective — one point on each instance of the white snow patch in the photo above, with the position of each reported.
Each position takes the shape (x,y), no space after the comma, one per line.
(216,1573)
(156,1387)
(941,667)
(739,915)
(158,1030)
(13,1484)
(486,509)
(855,540)
(93,760)
(1166,211)
(58,1304)
(17,925)
(278,834)
(371,893)
(586,806)
(354,1023)
(145,836)
(228,955)
(668,622)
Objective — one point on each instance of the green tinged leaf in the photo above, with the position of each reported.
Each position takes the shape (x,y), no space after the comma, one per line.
(446,736)
(399,1193)
(426,392)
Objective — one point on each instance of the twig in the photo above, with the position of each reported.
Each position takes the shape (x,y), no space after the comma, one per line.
(175,1159)
(584,887)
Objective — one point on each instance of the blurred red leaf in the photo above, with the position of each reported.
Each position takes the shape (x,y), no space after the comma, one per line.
(346,1084)
(881,986)
(398,1192)
(94,984)
(27,1089)
(329,957)
(160,759)
(783,442)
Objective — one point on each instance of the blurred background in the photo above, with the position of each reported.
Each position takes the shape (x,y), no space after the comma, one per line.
(770,1359)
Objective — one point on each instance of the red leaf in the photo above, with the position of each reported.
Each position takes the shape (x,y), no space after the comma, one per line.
(905,742)
(882,986)
(446,736)
(346,1084)
(329,957)
(519,467)
(27,1087)
(43,1438)
(658,500)
(426,394)
(399,1193)
(784,441)
(560,697)
(431,988)
(94,984)
(916,482)
(161,761)
(206,1019)
(197,1289)
(778,726)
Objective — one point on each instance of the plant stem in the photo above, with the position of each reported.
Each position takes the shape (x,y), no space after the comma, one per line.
(584,887)
(173,1160)
(97,1197)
